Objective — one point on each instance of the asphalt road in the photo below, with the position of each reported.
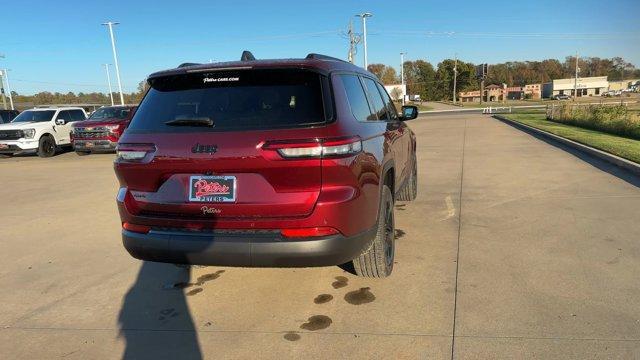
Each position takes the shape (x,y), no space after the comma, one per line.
(515,248)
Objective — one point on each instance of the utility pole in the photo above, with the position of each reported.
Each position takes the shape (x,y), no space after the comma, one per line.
(364,17)
(106,67)
(402,75)
(4,100)
(575,82)
(455,77)
(353,41)
(6,78)
(115,57)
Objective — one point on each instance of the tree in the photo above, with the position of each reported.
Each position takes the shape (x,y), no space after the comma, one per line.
(396,93)
(386,74)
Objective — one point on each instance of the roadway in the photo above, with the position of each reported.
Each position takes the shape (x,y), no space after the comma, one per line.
(515,248)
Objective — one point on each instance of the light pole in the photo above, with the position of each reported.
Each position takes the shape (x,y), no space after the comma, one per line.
(402,75)
(106,67)
(455,77)
(364,17)
(115,57)
(5,72)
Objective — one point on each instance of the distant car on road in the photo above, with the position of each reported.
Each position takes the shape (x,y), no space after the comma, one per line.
(7,115)
(41,130)
(561,97)
(101,132)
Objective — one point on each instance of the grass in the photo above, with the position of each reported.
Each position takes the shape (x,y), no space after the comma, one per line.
(617,145)
(613,118)
(421,107)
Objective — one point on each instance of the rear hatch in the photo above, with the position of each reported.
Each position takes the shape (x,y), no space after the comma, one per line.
(199,145)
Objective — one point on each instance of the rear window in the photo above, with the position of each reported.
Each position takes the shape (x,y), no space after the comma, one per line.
(233,100)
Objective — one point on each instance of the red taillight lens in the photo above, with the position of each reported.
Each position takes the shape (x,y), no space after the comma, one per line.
(309,232)
(134,152)
(315,148)
(142,229)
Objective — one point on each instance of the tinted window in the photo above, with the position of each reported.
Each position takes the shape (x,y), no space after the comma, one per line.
(64,115)
(37,116)
(391,107)
(77,115)
(378,105)
(233,100)
(356,96)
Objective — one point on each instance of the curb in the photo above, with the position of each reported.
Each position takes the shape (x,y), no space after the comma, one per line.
(602,155)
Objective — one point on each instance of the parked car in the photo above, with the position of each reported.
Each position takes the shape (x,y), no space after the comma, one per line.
(561,97)
(42,131)
(273,163)
(100,133)
(7,115)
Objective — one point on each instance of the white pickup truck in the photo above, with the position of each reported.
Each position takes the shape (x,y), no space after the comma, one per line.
(40,130)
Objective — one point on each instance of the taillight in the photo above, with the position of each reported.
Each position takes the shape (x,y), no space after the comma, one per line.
(313,148)
(134,152)
(141,229)
(309,232)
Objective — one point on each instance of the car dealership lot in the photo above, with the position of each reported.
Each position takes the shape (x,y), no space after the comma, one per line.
(515,246)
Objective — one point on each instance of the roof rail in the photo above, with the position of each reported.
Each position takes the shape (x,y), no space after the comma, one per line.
(322,57)
(187,64)
(247,56)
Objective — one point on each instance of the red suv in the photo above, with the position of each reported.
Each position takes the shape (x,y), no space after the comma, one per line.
(101,131)
(272,163)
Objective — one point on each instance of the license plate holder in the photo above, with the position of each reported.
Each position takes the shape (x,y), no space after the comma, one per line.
(212,188)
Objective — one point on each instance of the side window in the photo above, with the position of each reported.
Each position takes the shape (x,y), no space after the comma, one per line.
(77,115)
(393,112)
(64,115)
(378,105)
(357,98)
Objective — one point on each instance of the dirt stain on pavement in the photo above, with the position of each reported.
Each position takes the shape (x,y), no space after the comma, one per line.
(323,298)
(340,282)
(194,291)
(399,233)
(359,297)
(208,277)
(291,336)
(317,322)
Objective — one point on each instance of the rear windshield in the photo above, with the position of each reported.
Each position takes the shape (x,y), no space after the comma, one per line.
(232,100)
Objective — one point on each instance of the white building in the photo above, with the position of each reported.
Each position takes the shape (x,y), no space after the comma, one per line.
(396,91)
(587,86)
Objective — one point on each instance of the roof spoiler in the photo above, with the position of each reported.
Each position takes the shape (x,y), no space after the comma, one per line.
(247,56)
(322,57)
(187,64)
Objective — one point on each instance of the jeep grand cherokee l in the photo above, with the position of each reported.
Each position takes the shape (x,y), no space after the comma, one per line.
(271,163)
(101,131)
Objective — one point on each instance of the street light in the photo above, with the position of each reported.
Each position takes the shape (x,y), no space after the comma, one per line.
(106,67)
(402,74)
(115,57)
(364,17)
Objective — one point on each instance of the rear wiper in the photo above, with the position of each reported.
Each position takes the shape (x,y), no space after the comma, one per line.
(199,121)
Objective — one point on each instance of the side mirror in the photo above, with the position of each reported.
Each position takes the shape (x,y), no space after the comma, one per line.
(60,122)
(409,112)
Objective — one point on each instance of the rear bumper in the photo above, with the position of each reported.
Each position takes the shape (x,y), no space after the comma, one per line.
(244,249)
(96,145)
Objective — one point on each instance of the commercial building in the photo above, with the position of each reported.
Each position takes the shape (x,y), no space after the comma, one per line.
(396,91)
(533,91)
(587,86)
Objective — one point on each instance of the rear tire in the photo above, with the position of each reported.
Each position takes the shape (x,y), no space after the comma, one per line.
(46,146)
(83,153)
(409,191)
(377,260)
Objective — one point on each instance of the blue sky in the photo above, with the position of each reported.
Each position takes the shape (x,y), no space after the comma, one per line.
(60,45)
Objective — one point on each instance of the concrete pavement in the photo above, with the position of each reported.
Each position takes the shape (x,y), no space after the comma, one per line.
(514,248)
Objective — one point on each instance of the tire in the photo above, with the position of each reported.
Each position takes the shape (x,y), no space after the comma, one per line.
(377,260)
(409,191)
(83,153)
(8,155)
(46,146)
